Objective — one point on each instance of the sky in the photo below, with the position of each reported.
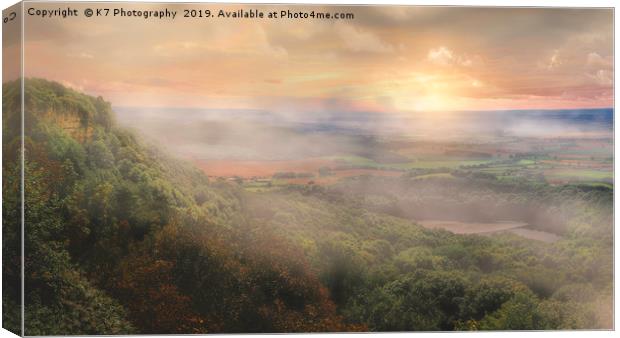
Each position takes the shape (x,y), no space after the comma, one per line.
(386,59)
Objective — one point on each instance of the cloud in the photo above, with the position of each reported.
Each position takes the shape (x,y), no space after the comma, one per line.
(554,60)
(73,85)
(158,82)
(602,77)
(444,56)
(273,81)
(594,60)
(441,56)
(82,55)
(551,61)
(220,41)
(362,41)
(599,69)
(483,54)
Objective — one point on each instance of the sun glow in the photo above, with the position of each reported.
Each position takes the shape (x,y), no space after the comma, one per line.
(353,65)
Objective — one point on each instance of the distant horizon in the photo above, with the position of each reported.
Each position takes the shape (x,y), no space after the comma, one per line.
(366,111)
(114,106)
(404,111)
(370,111)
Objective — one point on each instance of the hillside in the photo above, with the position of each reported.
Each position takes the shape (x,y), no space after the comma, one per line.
(118,230)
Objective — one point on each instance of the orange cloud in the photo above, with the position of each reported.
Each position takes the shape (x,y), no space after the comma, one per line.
(388,58)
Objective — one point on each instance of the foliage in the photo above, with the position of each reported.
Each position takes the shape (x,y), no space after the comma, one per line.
(122,238)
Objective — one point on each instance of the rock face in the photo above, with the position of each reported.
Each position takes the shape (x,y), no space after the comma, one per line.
(72,123)
(78,114)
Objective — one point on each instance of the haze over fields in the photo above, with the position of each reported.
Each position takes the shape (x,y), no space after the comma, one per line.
(261,149)
(307,142)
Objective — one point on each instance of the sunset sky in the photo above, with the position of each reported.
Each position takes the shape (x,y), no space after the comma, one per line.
(386,59)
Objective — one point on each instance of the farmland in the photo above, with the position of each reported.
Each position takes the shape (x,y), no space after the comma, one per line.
(551,161)
(261,153)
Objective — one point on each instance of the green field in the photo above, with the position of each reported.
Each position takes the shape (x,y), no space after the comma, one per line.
(582,175)
(359,161)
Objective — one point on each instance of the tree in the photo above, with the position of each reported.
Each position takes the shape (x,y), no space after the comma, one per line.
(519,313)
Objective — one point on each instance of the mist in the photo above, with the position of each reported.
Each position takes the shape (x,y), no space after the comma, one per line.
(366,154)
(267,136)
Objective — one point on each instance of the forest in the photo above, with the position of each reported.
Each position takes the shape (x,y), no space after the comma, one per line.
(122,237)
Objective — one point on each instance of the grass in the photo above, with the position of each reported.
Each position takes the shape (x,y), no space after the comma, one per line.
(437,175)
(526,167)
(263,186)
(498,170)
(526,162)
(598,184)
(432,164)
(419,164)
(585,174)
